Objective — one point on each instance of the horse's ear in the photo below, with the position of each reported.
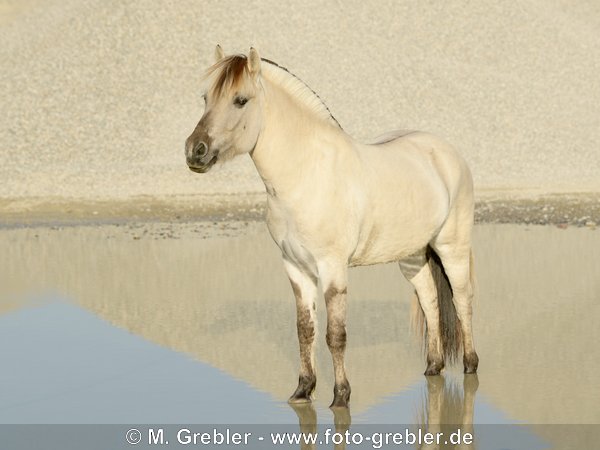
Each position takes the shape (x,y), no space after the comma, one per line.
(253,62)
(219,53)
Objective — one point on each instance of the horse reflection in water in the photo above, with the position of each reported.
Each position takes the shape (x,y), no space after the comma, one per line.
(445,409)
(307,418)
(333,202)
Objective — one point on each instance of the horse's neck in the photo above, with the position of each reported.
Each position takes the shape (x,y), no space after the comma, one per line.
(292,140)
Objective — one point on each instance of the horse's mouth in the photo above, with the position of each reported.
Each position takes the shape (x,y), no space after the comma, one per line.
(204,168)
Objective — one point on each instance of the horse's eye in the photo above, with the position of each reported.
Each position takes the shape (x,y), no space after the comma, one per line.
(240,101)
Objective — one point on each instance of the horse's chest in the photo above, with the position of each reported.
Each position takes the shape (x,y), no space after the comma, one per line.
(303,240)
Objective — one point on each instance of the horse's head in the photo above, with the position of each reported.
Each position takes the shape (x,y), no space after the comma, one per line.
(232,118)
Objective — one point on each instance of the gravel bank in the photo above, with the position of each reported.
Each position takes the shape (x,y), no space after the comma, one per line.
(560,210)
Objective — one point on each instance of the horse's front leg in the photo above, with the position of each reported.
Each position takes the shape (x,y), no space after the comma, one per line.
(304,286)
(334,279)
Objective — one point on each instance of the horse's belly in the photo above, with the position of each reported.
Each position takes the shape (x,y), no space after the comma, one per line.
(384,248)
(388,238)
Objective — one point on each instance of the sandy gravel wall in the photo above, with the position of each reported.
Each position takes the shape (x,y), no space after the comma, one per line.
(98,96)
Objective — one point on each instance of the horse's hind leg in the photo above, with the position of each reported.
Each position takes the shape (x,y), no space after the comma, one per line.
(305,290)
(457,261)
(417,271)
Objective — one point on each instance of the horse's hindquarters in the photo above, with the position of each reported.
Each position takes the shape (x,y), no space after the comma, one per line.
(413,186)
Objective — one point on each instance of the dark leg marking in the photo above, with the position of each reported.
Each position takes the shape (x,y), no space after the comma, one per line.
(336,326)
(306,335)
(336,341)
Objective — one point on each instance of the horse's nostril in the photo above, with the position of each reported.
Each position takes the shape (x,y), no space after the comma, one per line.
(201,149)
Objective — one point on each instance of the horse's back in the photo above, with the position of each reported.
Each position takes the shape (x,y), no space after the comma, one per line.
(391,136)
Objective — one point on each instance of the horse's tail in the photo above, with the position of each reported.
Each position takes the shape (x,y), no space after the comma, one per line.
(450,331)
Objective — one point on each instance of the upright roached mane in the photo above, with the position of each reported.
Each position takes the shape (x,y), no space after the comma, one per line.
(229,72)
(333,202)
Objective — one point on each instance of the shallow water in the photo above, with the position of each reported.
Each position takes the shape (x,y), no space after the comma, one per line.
(105,325)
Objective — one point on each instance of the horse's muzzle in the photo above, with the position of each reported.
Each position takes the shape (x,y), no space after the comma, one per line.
(200,150)
(202,168)
(198,157)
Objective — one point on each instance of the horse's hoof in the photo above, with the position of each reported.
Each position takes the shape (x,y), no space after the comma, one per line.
(306,385)
(434,368)
(341,396)
(339,402)
(471,362)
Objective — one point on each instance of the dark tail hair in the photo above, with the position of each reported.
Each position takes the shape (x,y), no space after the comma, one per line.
(450,332)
